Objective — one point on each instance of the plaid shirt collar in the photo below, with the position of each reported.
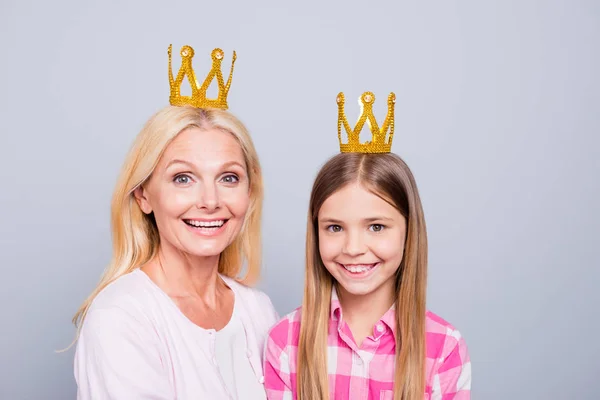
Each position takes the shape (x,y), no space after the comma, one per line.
(388,319)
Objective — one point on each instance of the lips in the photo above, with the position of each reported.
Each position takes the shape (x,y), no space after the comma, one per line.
(205,224)
(359,269)
(206,228)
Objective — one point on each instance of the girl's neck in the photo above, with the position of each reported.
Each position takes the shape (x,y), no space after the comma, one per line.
(362,312)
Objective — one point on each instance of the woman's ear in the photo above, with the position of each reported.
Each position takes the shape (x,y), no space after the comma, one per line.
(141,196)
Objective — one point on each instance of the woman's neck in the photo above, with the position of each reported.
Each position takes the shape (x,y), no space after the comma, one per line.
(180,275)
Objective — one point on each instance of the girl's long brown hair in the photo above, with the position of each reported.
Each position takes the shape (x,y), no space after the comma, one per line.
(387,176)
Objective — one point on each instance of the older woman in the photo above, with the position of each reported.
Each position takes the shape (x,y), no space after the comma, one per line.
(171,319)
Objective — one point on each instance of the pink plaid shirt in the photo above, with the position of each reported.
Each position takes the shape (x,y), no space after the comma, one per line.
(367,373)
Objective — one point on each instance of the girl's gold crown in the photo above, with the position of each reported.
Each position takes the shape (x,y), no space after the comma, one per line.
(198,97)
(379,142)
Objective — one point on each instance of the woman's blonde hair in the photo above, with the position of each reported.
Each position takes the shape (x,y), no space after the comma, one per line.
(135,235)
(387,176)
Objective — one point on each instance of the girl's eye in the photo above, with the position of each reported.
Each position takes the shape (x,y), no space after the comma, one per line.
(376,227)
(230,179)
(182,179)
(334,228)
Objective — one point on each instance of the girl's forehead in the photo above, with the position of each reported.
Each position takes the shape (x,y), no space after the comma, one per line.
(356,202)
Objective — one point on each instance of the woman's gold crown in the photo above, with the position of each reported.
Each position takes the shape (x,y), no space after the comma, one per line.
(198,97)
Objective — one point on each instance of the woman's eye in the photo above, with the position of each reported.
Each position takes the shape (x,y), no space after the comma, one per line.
(182,179)
(230,179)
(376,227)
(334,228)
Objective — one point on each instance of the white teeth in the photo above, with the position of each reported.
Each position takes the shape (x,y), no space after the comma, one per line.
(210,224)
(358,268)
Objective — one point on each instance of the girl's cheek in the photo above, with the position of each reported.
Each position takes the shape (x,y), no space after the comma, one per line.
(327,248)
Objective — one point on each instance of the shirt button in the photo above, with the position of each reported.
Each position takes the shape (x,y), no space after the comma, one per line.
(380,328)
(214,360)
(249,354)
(261,379)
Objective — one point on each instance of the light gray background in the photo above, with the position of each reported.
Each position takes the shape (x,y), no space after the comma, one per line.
(497,115)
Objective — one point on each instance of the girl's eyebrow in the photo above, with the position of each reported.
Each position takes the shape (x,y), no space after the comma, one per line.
(367,220)
(330,221)
(372,219)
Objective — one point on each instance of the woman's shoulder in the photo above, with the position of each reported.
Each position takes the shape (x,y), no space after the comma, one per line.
(120,313)
(252,296)
(256,303)
(127,294)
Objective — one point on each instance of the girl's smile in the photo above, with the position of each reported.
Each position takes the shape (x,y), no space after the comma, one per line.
(359,270)
(361,241)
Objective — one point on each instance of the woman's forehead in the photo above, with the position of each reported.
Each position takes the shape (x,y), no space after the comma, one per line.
(204,147)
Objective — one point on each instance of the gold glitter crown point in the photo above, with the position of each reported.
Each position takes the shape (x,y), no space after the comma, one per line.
(381,138)
(198,97)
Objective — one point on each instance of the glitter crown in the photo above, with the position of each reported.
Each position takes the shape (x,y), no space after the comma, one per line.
(198,97)
(379,142)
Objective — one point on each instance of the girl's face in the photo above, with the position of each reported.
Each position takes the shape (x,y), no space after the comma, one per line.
(199,192)
(361,242)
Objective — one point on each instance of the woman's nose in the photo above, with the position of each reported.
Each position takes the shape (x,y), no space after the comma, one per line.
(208,197)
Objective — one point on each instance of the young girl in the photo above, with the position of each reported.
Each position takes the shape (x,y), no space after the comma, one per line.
(363,331)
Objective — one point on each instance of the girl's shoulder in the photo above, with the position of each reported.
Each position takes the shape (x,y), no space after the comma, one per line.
(287,330)
(442,337)
(436,324)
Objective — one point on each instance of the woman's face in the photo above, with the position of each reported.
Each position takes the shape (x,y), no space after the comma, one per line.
(199,192)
